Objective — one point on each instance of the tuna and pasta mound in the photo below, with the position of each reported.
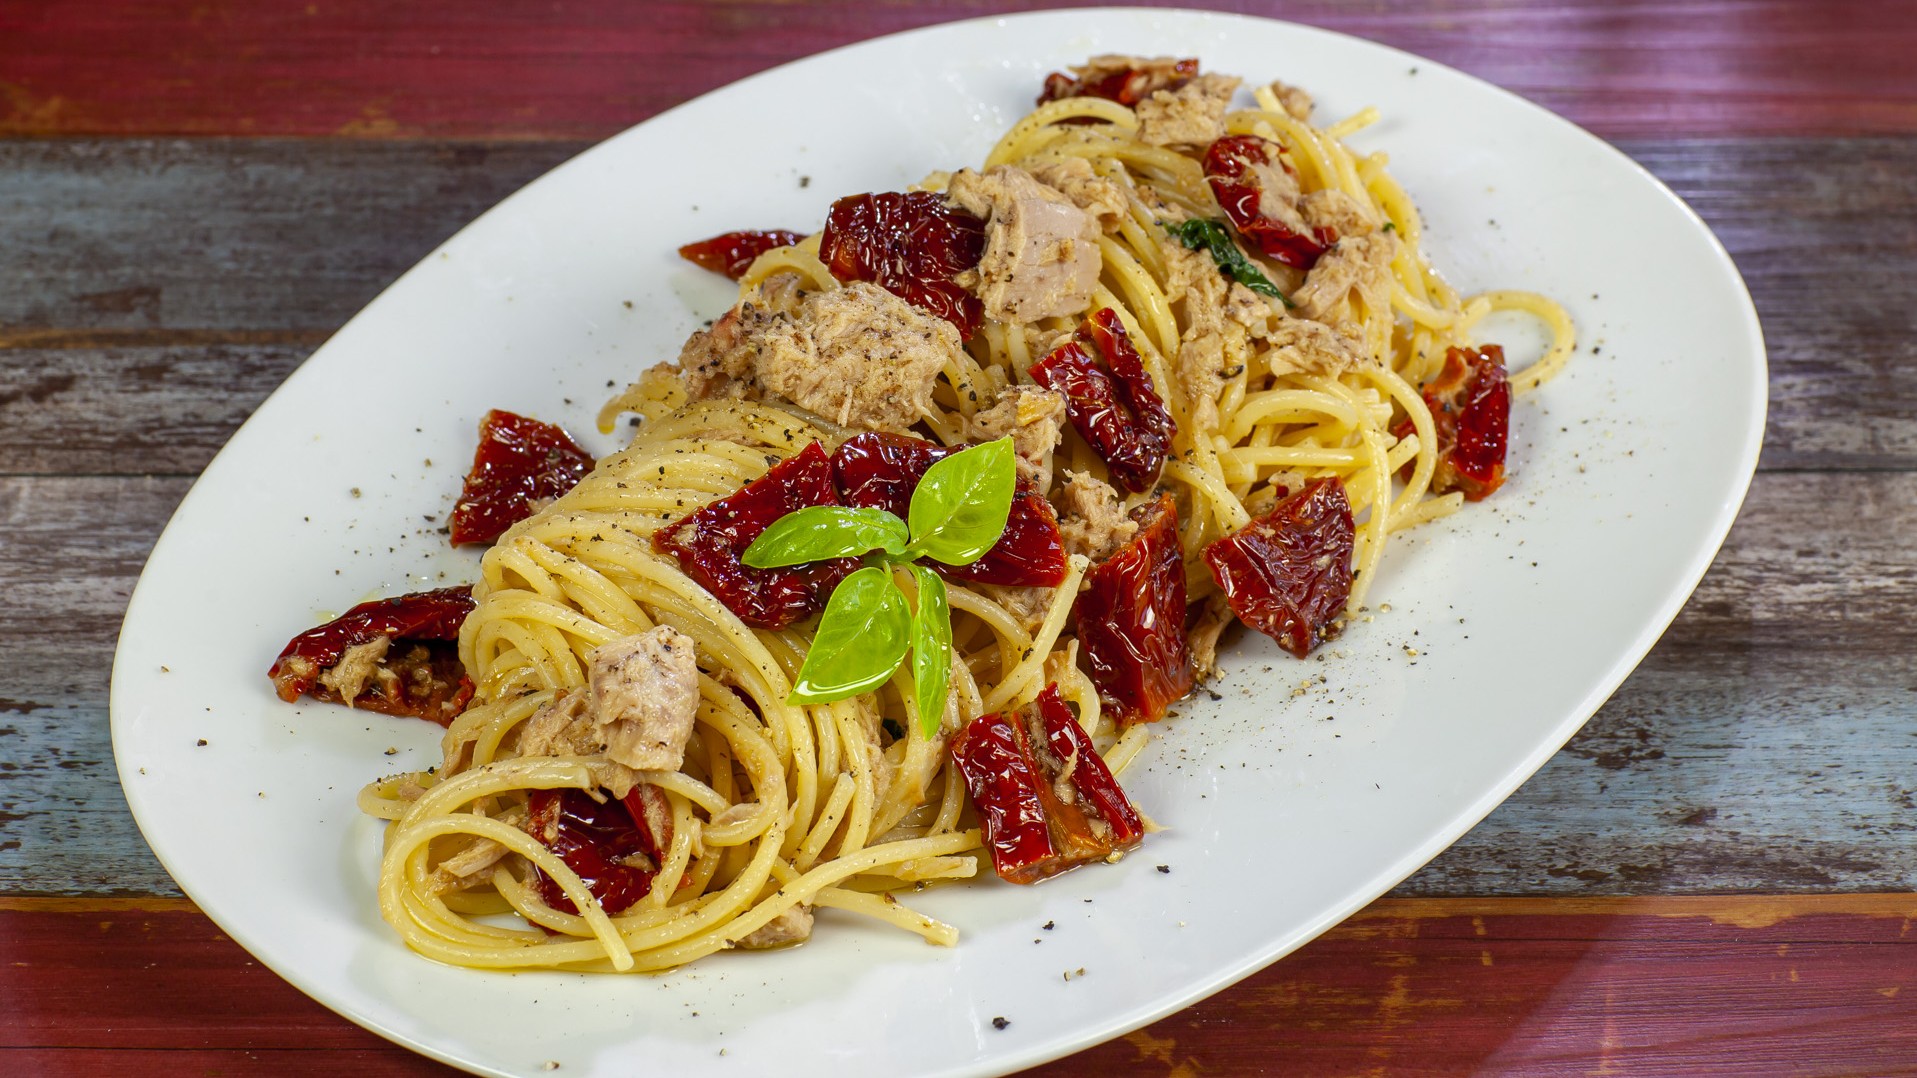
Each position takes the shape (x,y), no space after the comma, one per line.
(913,546)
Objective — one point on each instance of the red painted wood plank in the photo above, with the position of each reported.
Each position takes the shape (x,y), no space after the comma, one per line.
(380,1061)
(588,68)
(1712,985)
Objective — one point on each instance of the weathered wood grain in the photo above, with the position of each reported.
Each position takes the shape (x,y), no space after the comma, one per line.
(1765,743)
(589,68)
(230,235)
(1421,986)
(175,262)
(161,409)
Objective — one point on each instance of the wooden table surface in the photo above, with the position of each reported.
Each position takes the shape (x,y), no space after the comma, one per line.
(1714,877)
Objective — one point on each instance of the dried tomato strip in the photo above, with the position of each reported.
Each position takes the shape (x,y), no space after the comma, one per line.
(880,470)
(1045,800)
(1111,404)
(912,245)
(1287,574)
(519,463)
(710,542)
(1231,168)
(1127,86)
(991,754)
(734,252)
(421,675)
(1131,620)
(595,839)
(1090,779)
(1470,402)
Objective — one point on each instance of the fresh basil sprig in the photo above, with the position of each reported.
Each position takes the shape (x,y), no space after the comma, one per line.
(818,532)
(960,506)
(958,512)
(862,636)
(1199,234)
(931,648)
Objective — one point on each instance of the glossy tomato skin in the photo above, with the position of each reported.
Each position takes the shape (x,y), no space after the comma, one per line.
(1110,400)
(1236,186)
(1045,800)
(1096,788)
(878,470)
(520,462)
(593,838)
(991,754)
(424,628)
(1470,403)
(1131,620)
(1127,86)
(711,541)
(733,253)
(1287,574)
(912,245)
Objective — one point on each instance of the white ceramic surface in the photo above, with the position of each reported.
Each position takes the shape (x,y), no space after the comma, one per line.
(1289,805)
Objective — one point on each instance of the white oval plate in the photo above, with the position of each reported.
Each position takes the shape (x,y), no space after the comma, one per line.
(1308,789)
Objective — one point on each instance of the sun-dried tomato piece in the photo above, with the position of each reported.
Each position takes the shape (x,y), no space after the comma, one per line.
(733,253)
(1006,792)
(652,816)
(594,839)
(1071,754)
(418,674)
(1044,798)
(911,245)
(710,542)
(519,462)
(1233,166)
(1287,574)
(878,470)
(1131,620)
(1470,403)
(1112,405)
(1126,85)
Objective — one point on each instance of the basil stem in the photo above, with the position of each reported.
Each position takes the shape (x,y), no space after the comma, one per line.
(931,649)
(864,632)
(819,532)
(960,506)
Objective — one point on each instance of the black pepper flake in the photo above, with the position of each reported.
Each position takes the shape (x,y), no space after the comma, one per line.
(202,744)
(1047,925)
(1166,869)
(1000,1022)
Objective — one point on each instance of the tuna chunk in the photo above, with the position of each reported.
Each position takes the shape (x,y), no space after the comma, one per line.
(1093,522)
(794,925)
(1302,345)
(1034,416)
(1333,209)
(1295,101)
(356,667)
(858,355)
(711,364)
(1214,309)
(1191,115)
(645,692)
(1073,177)
(1041,251)
(1358,268)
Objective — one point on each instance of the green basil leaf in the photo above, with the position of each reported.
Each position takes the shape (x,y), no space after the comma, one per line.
(818,532)
(861,637)
(959,509)
(931,649)
(1199,234)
